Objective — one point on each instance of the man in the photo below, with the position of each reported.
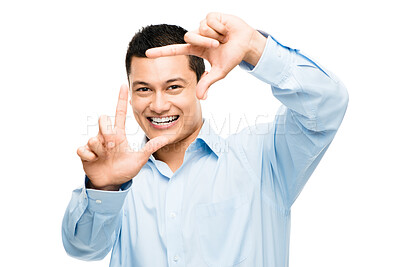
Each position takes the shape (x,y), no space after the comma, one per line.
(182,200)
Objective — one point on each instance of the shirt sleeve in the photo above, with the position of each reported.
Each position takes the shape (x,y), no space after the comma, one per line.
(314,103)
(92,221)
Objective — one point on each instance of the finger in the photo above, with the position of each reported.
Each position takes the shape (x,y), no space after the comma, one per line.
(106,131)
(110,141)
(169,50)
(105,126)
(153,145)
(85,154)
(214,21)
(96,146)
(101,138)
(207,31)
(206,81)
(120,113)
(197,39)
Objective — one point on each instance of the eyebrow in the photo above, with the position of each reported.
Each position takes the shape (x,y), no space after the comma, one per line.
(175,80)
(166,82)
(139,82)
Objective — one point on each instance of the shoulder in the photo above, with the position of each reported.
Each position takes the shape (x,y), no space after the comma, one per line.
(251,141)
(252,135)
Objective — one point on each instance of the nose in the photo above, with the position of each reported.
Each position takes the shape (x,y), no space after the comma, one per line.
(159,103)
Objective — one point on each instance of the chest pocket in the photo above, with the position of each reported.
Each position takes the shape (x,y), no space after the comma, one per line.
(225,231)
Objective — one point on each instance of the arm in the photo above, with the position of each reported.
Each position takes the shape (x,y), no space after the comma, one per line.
(92,221)
(93,216)
(314,100)
(314,103)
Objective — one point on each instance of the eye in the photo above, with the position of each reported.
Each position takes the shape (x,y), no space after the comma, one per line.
(142,89)
(174,87)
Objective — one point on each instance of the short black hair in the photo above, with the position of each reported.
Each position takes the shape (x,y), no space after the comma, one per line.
(160,35)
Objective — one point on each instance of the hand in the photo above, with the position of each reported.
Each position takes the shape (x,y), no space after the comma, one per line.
(224,41)
(107,159)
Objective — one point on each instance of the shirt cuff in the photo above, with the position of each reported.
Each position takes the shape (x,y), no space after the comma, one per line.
(101,201)
(274,64)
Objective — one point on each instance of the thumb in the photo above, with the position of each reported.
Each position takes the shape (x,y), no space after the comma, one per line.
(207,80)
(153,145)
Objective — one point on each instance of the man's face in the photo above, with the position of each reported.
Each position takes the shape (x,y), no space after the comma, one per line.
(164,98)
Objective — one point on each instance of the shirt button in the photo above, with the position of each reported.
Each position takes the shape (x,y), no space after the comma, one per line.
(172,215)
(98,201)
(176,259)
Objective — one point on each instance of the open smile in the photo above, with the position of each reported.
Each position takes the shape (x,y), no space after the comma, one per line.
(163,122)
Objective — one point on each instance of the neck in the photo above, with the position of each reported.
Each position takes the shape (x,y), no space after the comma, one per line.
(174,153)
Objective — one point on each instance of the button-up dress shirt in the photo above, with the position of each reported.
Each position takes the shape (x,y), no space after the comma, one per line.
(229,203)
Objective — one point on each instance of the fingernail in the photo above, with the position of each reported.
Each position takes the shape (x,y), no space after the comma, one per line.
(215,43)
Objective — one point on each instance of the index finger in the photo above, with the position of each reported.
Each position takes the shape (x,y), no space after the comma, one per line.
(120,113)
(169,50)
(196,45)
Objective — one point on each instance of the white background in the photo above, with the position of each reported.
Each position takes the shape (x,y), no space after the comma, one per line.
(61,65)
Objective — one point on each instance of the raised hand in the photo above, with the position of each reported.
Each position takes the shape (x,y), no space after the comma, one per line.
(107,159)
(224,41)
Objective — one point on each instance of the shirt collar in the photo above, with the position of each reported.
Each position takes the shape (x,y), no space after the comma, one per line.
(215,142)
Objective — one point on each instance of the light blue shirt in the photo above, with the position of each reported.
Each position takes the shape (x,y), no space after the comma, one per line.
(229,203)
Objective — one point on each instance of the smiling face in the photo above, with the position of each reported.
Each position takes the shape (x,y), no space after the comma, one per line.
(164,98)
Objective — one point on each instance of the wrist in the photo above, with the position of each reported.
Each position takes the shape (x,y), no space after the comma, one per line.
(256,48)
(90,185)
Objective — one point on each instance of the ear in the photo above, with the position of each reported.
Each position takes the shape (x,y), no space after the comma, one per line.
(203,75)
(199,95)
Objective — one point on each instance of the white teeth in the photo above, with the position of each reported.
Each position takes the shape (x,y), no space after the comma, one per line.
(163,120)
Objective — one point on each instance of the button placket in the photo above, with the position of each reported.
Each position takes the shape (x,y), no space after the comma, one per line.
(176,258)
(173,221)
